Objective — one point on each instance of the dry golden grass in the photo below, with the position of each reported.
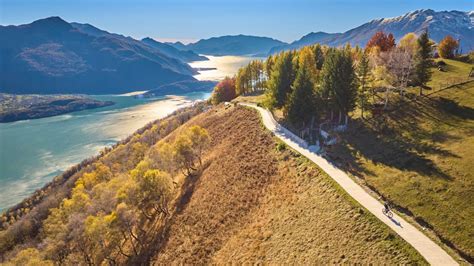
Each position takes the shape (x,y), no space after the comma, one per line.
(253,203)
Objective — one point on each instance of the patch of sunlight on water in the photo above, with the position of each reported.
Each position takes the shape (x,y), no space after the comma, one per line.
(225,66)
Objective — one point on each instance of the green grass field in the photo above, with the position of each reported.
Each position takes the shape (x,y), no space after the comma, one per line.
(421,157)
(455,72)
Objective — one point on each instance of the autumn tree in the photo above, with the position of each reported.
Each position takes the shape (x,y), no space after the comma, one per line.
(102,237)
(447,46)
(224,91)
(242,81)
(381,40)
(423,61)
(400,64)
(188,148)
(391,43)
(409,42)
(153,192)
(256,75)
(184,155)
(29,257)
(162,156)
(200,139)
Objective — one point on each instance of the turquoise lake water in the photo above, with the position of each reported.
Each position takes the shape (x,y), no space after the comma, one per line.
(32,152)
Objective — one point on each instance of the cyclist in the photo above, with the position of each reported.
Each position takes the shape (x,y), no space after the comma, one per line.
(387,208)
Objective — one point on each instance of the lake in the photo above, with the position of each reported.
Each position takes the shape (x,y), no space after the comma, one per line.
(225,66)
(32,152)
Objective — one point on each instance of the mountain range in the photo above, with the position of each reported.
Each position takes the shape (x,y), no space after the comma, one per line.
(53,56)
(232,45)
(458,24)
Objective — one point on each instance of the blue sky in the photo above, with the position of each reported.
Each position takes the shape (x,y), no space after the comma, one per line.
(193,19)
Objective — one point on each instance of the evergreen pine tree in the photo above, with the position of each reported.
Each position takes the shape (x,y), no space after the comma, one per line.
(318,56)
(279,84)
(300,107)
(363,75)
(423,61)
(339,82)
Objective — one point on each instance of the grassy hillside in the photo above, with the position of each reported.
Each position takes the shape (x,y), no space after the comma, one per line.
(420,157)
(257,201)
(23,224)
(252,200)
(454,72)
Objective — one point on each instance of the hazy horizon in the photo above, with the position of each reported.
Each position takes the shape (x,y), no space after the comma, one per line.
(188,21)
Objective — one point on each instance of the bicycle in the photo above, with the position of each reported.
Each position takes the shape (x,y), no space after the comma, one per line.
(387,212)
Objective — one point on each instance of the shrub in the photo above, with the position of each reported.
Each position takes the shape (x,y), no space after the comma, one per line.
(466,58)
(280,146)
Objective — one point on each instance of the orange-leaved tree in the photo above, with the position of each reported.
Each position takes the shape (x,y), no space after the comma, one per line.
(447,46)
(383,41)
(224,91)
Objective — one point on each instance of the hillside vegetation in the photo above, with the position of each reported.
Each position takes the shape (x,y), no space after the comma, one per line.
(417,155)
(25,224)
(259,202)
(242,197)
(420,158)
(408,117)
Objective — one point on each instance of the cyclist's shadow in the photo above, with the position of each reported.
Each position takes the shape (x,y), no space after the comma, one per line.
(395,222)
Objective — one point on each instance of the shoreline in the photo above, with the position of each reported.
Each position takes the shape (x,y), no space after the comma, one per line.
(182,104)
(16,107)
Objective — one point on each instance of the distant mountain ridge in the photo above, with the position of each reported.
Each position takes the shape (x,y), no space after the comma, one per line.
(311,38)
(166,49)
(53,56)
(458,24)
(232,45)
(169,50)
(178,45)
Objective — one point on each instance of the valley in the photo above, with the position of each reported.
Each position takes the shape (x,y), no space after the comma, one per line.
(344,138)
(272,199)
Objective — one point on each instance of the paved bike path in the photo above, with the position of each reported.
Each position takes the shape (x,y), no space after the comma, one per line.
(433,253)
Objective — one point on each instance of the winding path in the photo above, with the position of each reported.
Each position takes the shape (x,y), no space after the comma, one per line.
(433,253)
